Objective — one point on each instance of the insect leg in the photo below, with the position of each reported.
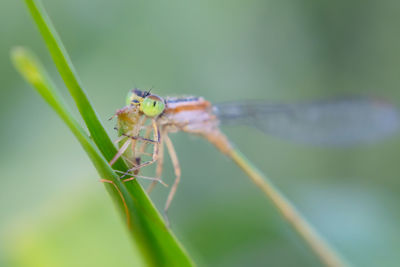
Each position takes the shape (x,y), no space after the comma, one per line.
(128,218)
(119,139)
(139,152)
(121,151)
(141,139)
(177,169)
(154,179)
(155,151)
(160,164)
(143,146)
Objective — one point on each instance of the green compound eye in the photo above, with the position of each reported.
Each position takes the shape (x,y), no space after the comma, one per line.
(152,105)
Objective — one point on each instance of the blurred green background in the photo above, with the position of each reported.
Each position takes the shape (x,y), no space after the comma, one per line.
(54,212)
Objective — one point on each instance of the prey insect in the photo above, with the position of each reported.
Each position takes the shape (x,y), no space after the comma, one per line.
(148,119)
(157,116)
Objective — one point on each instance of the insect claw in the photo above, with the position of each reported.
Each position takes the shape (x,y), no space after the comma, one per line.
(128,179)
(162,182)
(123,175)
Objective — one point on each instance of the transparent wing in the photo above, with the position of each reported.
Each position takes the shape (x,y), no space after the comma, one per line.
(337,122)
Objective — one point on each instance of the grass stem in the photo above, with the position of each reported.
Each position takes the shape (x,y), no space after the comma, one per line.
(318,245)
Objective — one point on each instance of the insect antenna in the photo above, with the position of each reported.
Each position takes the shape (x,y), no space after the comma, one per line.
(147,93)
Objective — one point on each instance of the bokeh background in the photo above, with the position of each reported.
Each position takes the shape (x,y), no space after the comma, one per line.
(53,210)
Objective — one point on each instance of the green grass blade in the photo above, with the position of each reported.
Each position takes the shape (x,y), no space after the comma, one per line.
(33,72)
(68,74)
(321,248)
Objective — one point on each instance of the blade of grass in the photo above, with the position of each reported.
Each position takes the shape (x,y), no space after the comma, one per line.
(163,242)
(71,80)
(29,67)
(318,245)
(144,224)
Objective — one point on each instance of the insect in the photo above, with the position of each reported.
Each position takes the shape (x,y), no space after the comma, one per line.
(337,122)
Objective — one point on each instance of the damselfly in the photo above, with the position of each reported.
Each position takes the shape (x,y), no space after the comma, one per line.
(338,122)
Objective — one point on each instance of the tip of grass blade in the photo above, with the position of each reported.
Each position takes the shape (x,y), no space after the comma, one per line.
(27,64)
